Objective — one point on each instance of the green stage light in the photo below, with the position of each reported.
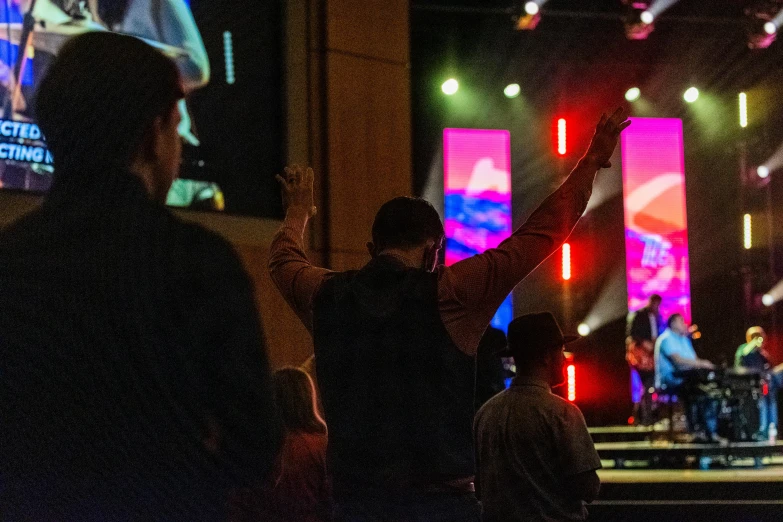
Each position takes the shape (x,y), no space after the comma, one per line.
(691,95)
(512,90)
(450,86)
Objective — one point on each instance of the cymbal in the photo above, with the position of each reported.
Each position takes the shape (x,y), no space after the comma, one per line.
(51,38)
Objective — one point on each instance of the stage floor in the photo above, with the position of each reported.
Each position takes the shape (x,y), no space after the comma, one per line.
(772,472)
(648,479)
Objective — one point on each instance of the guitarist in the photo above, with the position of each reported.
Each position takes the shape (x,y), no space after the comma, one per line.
(643,328)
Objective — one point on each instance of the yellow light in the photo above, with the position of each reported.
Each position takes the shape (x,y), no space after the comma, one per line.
(561,136)
(566,262)
(571,373)
(748,236)
(743,109)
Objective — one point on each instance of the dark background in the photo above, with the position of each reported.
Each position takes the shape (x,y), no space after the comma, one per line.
(241,126)
(576,64)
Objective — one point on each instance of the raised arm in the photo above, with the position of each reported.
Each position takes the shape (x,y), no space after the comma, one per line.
(293,274)
(480,283)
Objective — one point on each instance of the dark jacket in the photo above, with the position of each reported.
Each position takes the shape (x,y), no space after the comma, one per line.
(639,328)
(397,392)
(129,346)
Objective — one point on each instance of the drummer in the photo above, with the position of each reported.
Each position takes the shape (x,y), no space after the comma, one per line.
(753,356)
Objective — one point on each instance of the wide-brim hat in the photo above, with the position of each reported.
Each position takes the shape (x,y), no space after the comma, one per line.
(535,333)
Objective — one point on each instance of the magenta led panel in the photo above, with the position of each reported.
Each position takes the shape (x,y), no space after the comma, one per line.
(477,188)
(656,227)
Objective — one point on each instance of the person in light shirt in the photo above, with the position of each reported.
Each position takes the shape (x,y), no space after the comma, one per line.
(674,353)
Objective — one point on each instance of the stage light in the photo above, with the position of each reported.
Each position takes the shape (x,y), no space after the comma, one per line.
(773,295)
(561,136)
(633,94)
(747,232)
(571,373)
(743,109)
(449,87)
(763,19)
(228,55)
(583,329)
(762,171)
(691,95)
(532,8)
(647,17)
(566,261)
(512,90)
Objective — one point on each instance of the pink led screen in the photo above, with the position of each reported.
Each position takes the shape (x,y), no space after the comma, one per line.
(656,228)
(477,188)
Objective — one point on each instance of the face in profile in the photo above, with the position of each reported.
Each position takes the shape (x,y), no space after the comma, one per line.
(679,326)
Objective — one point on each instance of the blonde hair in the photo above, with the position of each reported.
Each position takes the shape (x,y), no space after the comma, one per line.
(296,401)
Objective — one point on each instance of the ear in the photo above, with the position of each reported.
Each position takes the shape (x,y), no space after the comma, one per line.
(371,249)
(431,256)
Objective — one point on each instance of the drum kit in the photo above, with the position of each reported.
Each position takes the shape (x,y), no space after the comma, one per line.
(737,393)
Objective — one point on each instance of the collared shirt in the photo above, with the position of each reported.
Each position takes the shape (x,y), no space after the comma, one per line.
(528,441)
(470,291)
(670,344)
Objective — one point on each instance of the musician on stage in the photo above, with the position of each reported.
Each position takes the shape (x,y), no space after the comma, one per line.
(674,353)
(754,357)
(644,327)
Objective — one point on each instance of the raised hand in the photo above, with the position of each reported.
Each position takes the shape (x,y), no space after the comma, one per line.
(605,138)
(297,189)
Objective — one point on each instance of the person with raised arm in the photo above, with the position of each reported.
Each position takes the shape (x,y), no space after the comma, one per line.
(395,341)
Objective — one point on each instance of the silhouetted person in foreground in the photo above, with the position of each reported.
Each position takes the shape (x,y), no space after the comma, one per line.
(395,341)
(135,383)
(535,458)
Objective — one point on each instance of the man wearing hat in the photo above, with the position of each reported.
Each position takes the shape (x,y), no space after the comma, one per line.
(535,457)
